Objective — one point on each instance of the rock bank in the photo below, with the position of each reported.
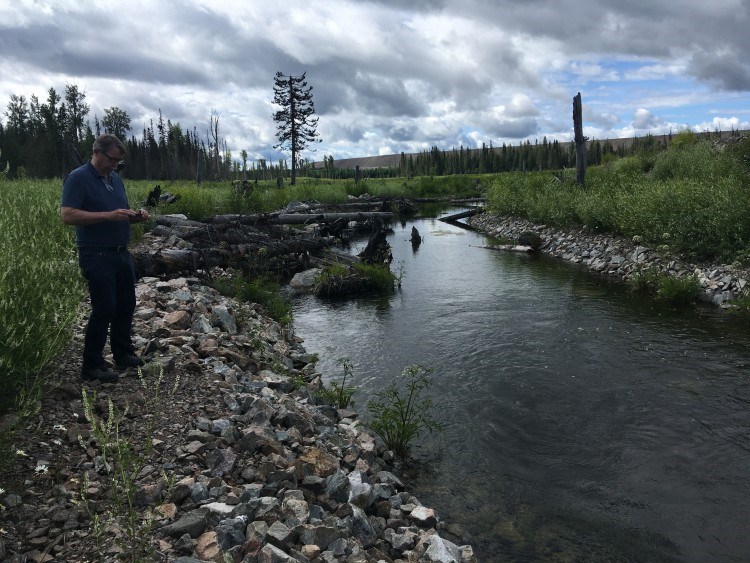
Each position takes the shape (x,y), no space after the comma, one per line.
(620,257)
(226,457)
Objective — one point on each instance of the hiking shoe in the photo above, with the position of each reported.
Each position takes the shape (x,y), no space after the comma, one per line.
(129,361)
(102,375)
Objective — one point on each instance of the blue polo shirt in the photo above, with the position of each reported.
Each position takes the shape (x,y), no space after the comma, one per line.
(84,189)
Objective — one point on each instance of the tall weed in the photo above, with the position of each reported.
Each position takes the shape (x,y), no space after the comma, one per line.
(40,285)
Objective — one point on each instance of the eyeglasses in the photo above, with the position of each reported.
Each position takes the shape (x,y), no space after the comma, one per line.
(112,159)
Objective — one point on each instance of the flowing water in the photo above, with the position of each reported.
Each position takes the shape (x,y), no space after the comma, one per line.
(582,423)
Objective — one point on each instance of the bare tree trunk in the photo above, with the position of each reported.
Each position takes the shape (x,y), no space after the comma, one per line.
(580,140)
(214,127)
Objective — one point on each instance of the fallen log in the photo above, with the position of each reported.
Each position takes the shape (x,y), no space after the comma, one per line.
(307,218)
(462,215)
(299,218)
(508,247)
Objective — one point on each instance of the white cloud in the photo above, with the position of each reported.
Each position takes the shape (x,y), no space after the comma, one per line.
(723,124)
(643,119)
(389,75)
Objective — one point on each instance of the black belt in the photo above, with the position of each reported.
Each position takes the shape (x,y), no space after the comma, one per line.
(110,248)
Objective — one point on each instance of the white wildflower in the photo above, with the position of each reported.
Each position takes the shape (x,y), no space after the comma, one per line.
(22,453)
(59,427)
(41,467)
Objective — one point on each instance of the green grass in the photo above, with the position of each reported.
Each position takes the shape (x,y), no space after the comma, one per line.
(40,285)
(339,280)
(200,201)
(692,197)
(667,288)
(261,290)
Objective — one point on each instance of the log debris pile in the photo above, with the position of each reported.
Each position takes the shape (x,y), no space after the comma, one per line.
(179,245)
(259,243)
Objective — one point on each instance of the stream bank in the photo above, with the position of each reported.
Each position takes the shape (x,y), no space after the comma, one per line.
(236,461)
(620,257)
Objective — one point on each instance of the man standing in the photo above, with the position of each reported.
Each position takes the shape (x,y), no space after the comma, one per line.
(94,200)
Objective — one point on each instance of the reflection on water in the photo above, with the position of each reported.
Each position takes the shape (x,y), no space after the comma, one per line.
(581,422)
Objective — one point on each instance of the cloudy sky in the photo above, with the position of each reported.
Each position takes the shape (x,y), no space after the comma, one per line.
(391,75)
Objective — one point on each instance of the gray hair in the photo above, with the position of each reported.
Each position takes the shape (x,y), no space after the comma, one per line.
(105,142)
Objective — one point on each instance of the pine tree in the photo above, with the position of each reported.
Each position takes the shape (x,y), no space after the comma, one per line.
(295,122)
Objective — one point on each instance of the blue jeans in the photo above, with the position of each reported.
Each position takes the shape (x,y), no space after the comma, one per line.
(111,279)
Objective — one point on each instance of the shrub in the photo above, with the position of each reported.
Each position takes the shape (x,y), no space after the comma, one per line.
(399,414)
(339,395)
(678,291)
(665,287)
(684,138)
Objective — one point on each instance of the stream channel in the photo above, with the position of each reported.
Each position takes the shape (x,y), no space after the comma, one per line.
(583,423)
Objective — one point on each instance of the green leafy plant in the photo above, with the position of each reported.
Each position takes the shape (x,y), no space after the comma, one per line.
(339,395)
(678,291)
(741,307)
(661,285)
(399,414)
(120,461)
(261,290)
(646,281)
(339,279)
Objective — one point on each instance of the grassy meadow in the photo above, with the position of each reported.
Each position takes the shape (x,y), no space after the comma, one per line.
(692,198)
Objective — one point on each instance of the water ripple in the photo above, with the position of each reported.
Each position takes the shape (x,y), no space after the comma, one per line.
(581,423)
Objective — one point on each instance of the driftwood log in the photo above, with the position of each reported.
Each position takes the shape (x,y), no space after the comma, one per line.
(297,218)
(462,215)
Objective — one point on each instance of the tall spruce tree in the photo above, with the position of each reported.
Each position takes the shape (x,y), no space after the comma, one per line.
(295,122)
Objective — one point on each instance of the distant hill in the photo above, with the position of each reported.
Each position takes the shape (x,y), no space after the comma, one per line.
(392,160)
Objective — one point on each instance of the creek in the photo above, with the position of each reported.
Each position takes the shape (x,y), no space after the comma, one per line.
(582,422)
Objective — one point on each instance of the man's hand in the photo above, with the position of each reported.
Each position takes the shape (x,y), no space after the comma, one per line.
(72,216)
(140,215)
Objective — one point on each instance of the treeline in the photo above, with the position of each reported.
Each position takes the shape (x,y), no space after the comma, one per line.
(48,139)
(527,156)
